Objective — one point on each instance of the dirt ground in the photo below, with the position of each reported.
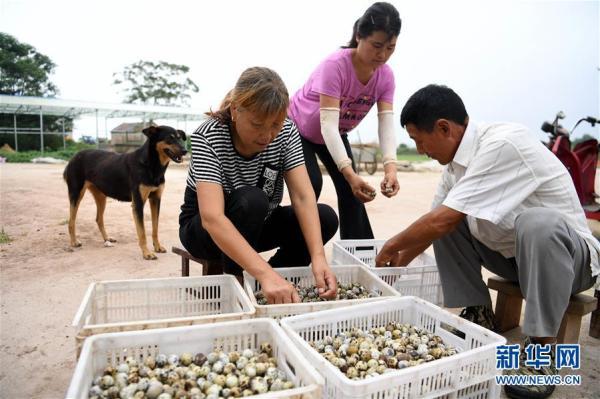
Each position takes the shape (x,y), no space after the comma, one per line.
(43,280)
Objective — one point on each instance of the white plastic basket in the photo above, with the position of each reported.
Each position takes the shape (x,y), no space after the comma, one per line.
(468,374)
(420,277)
(102,350)
(126,305)
(303,277)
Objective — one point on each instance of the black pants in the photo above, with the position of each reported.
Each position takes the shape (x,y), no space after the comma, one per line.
(247,208)
(354,222)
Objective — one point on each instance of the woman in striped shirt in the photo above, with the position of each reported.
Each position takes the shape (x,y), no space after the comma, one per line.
(241,156)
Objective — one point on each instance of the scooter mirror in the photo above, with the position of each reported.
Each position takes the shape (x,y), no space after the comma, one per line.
(547,127)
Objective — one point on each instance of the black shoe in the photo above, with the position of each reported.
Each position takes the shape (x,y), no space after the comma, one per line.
(482,315)
(528,391)
(531,391)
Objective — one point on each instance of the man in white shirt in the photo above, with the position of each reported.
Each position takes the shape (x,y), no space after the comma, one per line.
(504,202)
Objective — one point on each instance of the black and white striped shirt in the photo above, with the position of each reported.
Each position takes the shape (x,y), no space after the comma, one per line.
(215,160)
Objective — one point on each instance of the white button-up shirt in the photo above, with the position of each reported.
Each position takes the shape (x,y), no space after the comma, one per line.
(499,171)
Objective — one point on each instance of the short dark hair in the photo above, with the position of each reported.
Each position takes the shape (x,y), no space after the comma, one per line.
(431,103)
(381,16)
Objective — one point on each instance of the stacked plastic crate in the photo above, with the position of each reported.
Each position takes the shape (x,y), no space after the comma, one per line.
(419,278)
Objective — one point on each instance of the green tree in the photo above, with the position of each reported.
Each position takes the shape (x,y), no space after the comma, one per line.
(405,149)
(26,72)
(585,137)
(158,83)
(23,70)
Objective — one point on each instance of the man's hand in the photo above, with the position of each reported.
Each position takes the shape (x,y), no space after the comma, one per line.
(278,290)
(324,278)
(397,258)
(385,256)
(401,258)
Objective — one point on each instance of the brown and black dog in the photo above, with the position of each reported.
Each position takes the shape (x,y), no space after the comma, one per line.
(133,177)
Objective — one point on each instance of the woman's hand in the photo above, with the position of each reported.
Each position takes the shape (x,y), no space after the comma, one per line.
(389,185)
(360,188)
(278,290)
(324,278)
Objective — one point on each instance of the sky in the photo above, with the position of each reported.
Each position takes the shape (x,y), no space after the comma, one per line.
(518,61)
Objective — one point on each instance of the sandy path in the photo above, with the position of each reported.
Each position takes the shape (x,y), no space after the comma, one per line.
(43,280)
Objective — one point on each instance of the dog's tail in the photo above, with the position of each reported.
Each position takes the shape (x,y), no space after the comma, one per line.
(74,175)
(71,167)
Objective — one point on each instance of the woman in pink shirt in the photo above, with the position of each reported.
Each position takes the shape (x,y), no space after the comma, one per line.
(336,97)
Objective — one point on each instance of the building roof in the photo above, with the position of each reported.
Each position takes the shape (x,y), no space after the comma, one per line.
(135,127)
(72,109)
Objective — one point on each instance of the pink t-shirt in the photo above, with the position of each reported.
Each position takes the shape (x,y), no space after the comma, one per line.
(335,77)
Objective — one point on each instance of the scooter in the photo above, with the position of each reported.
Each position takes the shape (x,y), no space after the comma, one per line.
(581,161)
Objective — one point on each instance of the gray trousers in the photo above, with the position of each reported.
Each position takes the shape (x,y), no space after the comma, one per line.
(552,262)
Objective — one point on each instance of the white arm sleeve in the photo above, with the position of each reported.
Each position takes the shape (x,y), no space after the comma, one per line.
(387,136)
(330,119)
